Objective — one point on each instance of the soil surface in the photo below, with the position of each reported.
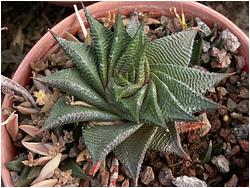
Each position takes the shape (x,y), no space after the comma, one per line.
(226,165)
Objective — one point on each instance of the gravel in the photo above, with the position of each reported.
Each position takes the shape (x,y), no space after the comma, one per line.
(221,163)
(232,182)
(231,41)
(241,131)
(242,107)
(165,177)
(147,175)
(185,181)
(231,105)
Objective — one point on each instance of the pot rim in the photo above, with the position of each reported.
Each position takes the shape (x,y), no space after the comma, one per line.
(191,8)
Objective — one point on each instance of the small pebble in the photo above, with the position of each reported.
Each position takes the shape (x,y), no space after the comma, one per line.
(232,182)
(231,105)
(224,133)
(231,138)
(221,91)
(165,177)
(240,163)
(231,41)
(240,62)
(221,163)
(244,93)
(185,181)
(225,118)
(235,150)
(244,144)
(233,79)
(236,115)
(147,175)
(205,57)
(242,107)
(206,46)
(241,131)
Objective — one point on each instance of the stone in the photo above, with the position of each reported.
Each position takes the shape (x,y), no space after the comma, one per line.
(233,79)
(231,105)
(224,133)
(244,93)
(147,175)
(205,57)
(241,131)
(221,91)
(235,150)
(185,181)
(242,107)
(244,144)
(232,182)
(231,138)
(240,163)
(206,46)
(240,62)
(231,42)
(236,115)
(221,163)
(165,177)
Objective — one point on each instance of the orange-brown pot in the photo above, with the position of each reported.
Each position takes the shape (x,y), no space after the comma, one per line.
(45,46)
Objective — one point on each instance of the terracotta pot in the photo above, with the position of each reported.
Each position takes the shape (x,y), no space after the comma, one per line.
(46,43)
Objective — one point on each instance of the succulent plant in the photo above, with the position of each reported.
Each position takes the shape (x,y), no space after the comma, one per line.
(134,91)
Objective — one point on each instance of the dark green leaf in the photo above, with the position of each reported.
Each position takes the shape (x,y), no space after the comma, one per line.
(16,165)
(168,141)
(34,172)
(101,139)
(150,111)
(70,164)
(199,81)
(71,82)
(189,99)
(175,49)
(171,108)
(85,60)
(22,181)
(131,152)
(63,113)
(120,42)
(102,38)
(197,52)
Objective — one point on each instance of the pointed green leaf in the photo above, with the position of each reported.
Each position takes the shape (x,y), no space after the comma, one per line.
(71,82)
(85,60)
(198,80)
(34,172)
(189,99)
(22,180)
(63,113)
(175,49)
(168,141)
(129,107)
(169,105)
(16,165)
(70,164)
(120,42)
(197,52)
(102,139)
(102,38)
(133,54)
(150,111)
(131,152)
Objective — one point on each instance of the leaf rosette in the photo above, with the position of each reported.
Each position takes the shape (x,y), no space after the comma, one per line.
(136,90)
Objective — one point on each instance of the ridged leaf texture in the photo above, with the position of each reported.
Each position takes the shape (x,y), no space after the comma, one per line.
(137,89)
